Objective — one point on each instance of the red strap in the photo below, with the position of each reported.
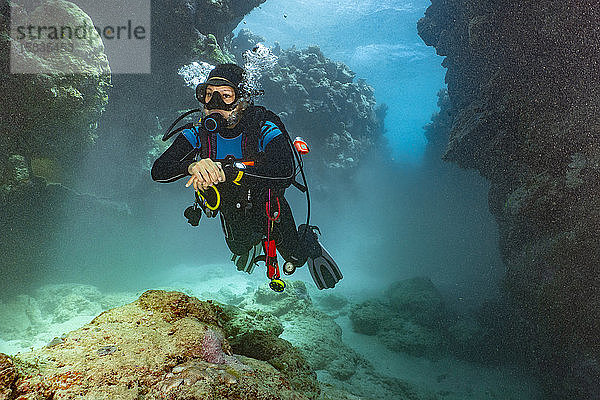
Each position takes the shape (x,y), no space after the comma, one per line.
(270,249)
(269,208)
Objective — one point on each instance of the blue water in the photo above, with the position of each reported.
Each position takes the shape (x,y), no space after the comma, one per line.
(407,219)
(379,41)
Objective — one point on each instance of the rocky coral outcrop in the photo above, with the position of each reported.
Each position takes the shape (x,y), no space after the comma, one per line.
(524,91)
(319,100)
(204,30)
(255,333)
(410,318)
(319,339)
(163,345)
(51,100)
(8,376)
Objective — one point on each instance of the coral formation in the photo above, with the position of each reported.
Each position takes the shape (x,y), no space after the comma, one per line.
(163,345)
(8,376)
(200,345)
(333,304)
(212,347)
(47,119)
(203,30)
(368,317)
(319,339)
(318,100)
(50,111)
(410,319)
(254,333)
(523,87)
(207,49)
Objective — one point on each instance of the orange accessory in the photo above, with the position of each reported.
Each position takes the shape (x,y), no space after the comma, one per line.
(300,145)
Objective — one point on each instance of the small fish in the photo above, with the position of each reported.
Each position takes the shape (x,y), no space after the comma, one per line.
(106,350)
(56,341)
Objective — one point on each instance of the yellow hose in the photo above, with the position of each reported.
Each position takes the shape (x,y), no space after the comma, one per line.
(212,208)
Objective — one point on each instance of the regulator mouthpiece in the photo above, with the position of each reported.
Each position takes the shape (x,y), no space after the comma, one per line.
(213,122)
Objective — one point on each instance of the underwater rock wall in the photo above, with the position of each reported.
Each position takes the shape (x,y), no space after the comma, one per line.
(49,117)
(524,90)
(48,120)
(201,28)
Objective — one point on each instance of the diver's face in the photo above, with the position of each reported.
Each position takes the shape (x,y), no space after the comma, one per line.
(227,94)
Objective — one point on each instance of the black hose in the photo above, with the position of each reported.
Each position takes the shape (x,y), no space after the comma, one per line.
(168,133)
(301,166)
(297,158)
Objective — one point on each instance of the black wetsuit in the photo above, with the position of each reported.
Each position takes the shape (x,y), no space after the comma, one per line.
(259,136)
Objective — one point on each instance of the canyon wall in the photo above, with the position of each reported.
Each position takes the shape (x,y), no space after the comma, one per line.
(523,87)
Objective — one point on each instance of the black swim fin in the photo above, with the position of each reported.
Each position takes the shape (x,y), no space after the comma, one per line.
(324,270)
(247,262)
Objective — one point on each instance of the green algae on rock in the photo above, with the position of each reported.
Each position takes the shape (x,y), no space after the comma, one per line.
(207,49)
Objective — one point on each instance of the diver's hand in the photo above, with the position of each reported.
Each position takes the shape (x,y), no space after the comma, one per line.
(198,184)
(205,173)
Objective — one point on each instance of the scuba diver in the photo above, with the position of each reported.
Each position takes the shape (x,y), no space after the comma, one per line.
(240,159)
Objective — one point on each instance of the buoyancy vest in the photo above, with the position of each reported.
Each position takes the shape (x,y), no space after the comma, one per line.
(257,127)
(246,142)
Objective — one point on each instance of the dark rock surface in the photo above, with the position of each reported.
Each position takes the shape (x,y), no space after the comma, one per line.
(183,27)
(523,86)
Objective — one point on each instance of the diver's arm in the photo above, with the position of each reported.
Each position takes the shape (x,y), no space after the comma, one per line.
(174,162)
